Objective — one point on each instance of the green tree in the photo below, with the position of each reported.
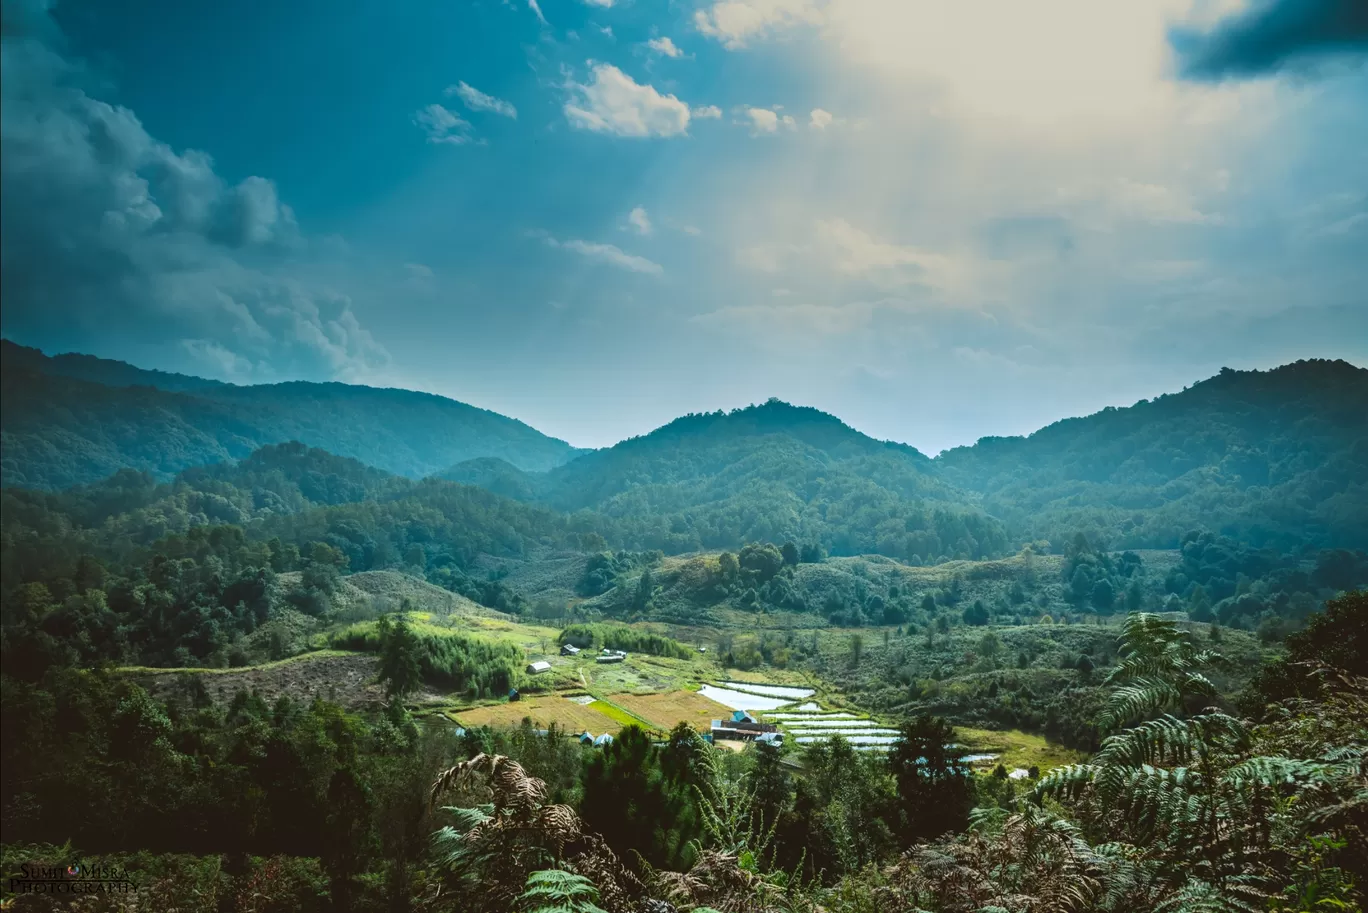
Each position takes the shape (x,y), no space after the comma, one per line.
(645,592)
(400,663)
(934,793)
(789,552)
(348,835)
(976,614)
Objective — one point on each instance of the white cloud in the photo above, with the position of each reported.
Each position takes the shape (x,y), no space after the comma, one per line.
(765,120)
(601,4)
(420,276)
(607,254)
(766,258)
(113,238)
(534,7)
(664,46)
(639,221)
(735,22)
(819,119)
(691,230)
(838,246)
(442,125)
(613,103)
(704,112)
(1155,203)
(852,250)
(476,100)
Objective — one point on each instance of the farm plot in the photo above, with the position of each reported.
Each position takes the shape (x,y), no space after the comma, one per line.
(834,725)
(793,694)
(795,717)
(665,710)
(543,710)
(739,700)
(853,738)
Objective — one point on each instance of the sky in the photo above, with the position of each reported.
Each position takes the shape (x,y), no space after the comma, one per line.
(938,221)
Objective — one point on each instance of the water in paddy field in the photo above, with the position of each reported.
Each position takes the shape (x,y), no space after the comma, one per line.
(853,739)
(793,717)
(739,700)
(795,694)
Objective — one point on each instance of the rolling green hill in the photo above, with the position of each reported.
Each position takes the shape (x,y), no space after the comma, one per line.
(772,472)
(74,419)
(1275,457)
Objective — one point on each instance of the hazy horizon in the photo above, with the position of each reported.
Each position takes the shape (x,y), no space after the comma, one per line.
(756,402)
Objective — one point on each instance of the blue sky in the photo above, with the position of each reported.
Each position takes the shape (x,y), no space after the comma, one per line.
(937,221)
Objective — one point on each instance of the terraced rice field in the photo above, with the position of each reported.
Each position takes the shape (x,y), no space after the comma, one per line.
(740,700)
(859,740)
(665,710)
(793,694)
(834,725)
(795,717)
(543,709)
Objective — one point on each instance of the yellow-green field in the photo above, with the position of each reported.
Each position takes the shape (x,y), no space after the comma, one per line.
(1017,748)
(665,710)
(543,710)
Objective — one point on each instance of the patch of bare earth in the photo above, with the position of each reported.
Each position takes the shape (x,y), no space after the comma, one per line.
(346,680)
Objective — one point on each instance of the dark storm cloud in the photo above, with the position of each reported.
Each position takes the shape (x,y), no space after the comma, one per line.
(1271,35)
(108,234)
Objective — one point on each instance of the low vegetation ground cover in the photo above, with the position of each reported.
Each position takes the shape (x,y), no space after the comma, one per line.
(543,710)
(664,710)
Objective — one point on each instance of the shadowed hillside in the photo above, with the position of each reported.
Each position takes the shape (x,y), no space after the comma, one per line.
(1274,457)
(770,472)
(72,419)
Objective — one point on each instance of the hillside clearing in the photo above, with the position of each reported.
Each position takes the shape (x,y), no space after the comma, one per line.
(543,710)
(666,710)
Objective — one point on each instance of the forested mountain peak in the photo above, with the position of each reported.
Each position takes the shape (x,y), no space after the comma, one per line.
(1270,457)
(812,426)
(74,419)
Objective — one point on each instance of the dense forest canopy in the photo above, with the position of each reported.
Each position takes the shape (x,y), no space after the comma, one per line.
(1004,586)
(75,419)
(768,472)
(1274,457)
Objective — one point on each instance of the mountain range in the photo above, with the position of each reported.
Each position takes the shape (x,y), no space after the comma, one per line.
(74,419)
(1276,458)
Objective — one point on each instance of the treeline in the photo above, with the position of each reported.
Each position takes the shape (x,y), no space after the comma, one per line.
(473,666)
(180,573)
(620,637)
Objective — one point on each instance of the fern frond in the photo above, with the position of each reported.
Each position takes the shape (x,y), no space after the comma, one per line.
(1066,782)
